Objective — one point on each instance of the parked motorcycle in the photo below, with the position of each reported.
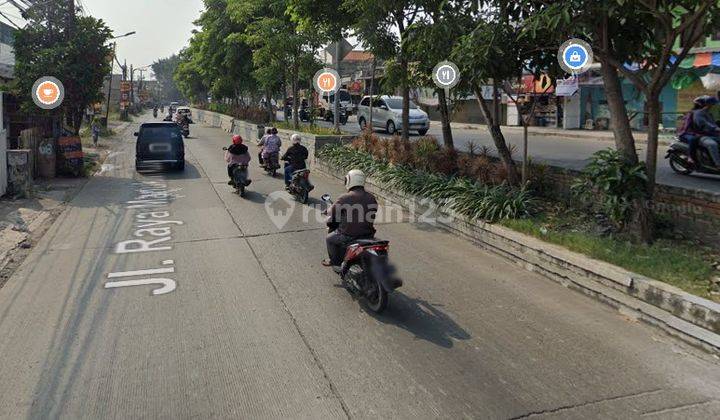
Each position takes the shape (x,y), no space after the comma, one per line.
(366,272)
(271,164)
(300,185)
(343,115)
(678,154)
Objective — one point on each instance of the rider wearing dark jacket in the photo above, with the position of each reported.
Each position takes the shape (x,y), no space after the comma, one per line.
(295,157)
(354,215)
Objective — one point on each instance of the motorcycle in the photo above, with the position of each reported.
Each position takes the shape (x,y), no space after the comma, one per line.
(300,185)
(366,272)
(678,154)
(271,164)
(155,112)
(240,178)
(343,116)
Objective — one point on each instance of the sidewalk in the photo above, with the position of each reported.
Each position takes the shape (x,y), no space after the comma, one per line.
(23,221)
(640,136)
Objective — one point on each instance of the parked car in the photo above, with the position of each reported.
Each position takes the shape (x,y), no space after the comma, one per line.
(387,114)
(160,145)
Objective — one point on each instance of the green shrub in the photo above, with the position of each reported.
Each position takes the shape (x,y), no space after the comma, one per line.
(462,195)
(611,186)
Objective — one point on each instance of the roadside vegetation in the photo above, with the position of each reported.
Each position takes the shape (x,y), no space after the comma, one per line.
(594,219)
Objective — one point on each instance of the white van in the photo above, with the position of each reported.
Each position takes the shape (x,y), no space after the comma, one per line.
(387,114)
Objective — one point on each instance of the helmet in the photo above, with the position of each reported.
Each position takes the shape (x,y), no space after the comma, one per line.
(274,131)
(295,138)
(706,100)
(354,178)
(268,131)
(236,139)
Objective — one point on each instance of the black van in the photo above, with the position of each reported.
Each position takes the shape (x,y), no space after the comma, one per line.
(160,144)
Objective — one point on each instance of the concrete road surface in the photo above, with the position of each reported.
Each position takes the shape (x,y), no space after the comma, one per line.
(165,295)
(566,152)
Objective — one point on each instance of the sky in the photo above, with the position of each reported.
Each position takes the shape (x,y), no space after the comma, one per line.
(163,26)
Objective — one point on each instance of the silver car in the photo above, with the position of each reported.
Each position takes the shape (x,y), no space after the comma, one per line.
(387,114)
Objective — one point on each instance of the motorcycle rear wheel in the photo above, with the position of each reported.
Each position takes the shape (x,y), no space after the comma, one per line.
(377,297)
(679,166)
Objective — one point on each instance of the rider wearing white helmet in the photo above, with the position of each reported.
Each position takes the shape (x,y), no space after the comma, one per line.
(295,157)
(354,215)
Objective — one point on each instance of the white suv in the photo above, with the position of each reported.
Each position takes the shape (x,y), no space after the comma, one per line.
(387,114)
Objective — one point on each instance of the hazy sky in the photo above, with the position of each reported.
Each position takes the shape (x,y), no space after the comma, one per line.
(163,26)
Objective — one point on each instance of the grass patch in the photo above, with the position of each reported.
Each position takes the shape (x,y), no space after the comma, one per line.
(683,264)
(310,129)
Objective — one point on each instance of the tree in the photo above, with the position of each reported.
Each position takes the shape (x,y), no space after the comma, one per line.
(498,49)
(656,36)
(164,70)
(75,50)
(431,40)
(388,21)
(327,19)
(277,43)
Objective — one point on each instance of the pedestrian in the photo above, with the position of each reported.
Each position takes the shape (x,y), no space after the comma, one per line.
(95,132)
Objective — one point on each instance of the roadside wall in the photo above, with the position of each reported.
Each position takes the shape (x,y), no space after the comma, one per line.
(694,213)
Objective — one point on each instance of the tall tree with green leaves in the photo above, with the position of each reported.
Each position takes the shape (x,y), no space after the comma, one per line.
(164,70)
(74,48)
(495,50)
(276,42)
(643,41)
(389,22)
(431,41)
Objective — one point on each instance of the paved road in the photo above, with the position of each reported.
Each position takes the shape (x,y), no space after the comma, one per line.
(247,324)
(567,152)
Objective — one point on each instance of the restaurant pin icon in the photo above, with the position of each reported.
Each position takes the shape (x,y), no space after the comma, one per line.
(446,76)
(326,81)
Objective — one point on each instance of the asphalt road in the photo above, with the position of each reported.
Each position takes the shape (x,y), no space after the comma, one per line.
(248,324)
(566,152)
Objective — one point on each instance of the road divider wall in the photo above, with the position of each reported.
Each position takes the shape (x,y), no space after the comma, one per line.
(689,317)
(253,132)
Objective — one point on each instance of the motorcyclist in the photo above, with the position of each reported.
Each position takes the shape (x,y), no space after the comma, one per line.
(155,111)
(271,146)
(295,157)
(236,154)
(354,215)
(699,127)
(261,143)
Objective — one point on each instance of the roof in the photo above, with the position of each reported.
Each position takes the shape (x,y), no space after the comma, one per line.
(358,56)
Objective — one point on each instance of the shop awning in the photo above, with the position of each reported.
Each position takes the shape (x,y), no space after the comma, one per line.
(699,60)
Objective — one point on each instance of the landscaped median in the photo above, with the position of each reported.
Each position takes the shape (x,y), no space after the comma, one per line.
(467,206)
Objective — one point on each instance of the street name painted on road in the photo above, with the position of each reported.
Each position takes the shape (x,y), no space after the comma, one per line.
(155,230)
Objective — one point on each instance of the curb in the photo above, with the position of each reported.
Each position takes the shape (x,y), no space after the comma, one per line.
(693,319)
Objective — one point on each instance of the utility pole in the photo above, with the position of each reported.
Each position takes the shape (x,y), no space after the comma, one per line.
(132,86)
(112,65)
(336,105)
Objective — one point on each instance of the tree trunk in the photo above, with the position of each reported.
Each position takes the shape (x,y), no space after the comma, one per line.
(498,138)
(268,105)
(406,101)
(645,216)
(296,120)
(445,116)
(372,93)
(624,140)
